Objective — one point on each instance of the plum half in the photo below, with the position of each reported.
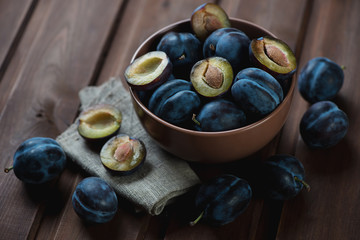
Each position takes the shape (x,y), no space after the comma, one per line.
(212,76)
(123,154)
(148,71)
(99,122)
(207,18)
(275,57)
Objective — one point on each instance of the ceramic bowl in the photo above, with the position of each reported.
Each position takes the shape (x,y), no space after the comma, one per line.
(211,147)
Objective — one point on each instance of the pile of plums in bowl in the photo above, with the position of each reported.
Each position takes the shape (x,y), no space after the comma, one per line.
(212,88)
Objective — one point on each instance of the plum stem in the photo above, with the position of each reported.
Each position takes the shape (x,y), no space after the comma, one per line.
(194,119)
(8,169)
(192,223)
(307,186)
(342,67)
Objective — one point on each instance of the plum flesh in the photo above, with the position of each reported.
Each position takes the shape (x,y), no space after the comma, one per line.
(207,18)
(123,154)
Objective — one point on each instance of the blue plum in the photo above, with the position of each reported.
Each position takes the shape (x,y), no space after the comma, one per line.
(220,115)
(256,92)
(94,200)
(281,177)
(320,79)
(231,44)
(222,199)
(38,160)
(323,125)
(175,102)
(183,49)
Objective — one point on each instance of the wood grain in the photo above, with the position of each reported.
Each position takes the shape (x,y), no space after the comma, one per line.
(57,55)
(51,49)
(330,210)
(14,16)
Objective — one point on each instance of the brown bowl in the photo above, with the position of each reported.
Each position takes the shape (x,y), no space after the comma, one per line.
(211,147)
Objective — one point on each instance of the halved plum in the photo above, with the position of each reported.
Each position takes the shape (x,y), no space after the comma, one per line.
(100,121)
(148,71)
(275,57)
(207,18)
(123,154)
(212,76)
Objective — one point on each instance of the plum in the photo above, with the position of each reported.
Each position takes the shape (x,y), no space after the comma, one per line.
(99,122)
(212,77)
(222,199)
(323,125)
(220,115)
(175,102)
(148,71)
(94,200)
(183,49)
(38,160)
(320,79)
(256,92)
(207,18)
(231,44)
(275,57)
(281,177)
(123,154)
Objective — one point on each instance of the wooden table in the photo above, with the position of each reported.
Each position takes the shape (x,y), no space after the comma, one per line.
(50,49)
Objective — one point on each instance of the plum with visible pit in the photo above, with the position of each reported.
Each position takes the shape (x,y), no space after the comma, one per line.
(99,122)
(212,77)
(231,44)
(275,57)
(207,18)
(148,71)
(123,154)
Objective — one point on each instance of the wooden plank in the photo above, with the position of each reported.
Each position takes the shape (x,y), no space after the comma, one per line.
(138,19)
(57,55)
(14,16)
(260,220)
(330,210)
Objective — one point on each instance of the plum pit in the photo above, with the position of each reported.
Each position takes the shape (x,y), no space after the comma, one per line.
(123,154)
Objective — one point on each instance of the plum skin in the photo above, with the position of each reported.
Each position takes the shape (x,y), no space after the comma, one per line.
(320,79)
(223,199)
(94,200)
(281,177)
(323,125)
(256,92)
(175,102)
(38,160)
(183,49)
(231,44)
(220,115)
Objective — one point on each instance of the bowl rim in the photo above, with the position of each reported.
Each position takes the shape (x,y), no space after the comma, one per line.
(250,126)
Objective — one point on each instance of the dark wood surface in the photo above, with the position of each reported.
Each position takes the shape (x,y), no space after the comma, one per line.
(50,49)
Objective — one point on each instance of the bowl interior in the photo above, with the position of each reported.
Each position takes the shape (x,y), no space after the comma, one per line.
(204,146)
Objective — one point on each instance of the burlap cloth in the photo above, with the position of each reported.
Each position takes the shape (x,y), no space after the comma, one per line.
(162,177)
